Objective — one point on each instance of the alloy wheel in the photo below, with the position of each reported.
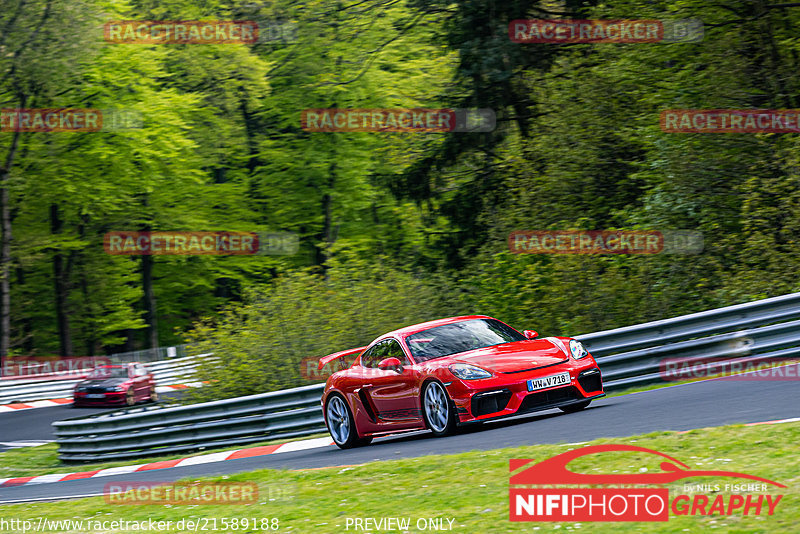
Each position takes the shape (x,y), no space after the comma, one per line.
(437,408)
(338,420)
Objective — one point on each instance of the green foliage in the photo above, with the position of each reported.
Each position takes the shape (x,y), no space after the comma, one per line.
(264,342)
(578,146)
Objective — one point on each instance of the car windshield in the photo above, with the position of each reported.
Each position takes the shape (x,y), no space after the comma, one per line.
(460,337)
(109,372)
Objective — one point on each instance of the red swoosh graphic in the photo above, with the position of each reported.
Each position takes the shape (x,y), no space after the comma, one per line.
(554,470)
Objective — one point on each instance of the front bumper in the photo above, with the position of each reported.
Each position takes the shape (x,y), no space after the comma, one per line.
(507,394)
(111,397)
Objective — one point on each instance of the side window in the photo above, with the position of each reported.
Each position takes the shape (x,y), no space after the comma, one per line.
(373,355)
(394,350)
(388,348)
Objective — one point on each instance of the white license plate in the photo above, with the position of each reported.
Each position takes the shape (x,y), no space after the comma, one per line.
(561,379)
(95,395)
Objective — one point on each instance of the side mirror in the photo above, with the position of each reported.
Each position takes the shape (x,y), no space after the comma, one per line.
(390,364)
(531,334)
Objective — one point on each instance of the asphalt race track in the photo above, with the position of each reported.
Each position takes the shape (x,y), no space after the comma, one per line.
(34,424)
(684,407)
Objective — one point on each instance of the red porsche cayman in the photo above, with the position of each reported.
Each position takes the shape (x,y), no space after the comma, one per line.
(443,373)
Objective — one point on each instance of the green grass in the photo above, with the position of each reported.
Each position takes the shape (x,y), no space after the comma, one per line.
(472,488)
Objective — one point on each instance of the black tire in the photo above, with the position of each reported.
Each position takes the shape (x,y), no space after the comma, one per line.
(341,425)
(572,408)
(130,397)
(438,410)
(153,394)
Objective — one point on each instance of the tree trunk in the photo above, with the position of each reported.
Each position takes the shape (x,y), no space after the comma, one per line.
(5,261)
(60,280)
(149,301)
(5,247)
(89,334)
(26,340)
(327,234)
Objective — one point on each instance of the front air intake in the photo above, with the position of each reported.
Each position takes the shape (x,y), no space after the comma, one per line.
(553,397)
(490,402)
(590,380)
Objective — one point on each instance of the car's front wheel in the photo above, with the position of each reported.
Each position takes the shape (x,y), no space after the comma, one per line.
(130,397)
(572,408)
(438,409)
(341,425)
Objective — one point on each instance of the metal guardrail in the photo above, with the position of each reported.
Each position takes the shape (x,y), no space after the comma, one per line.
(28,389)
(644,366)
(150,431)
(730,318)
(629,356)
(150,355)
(58,367)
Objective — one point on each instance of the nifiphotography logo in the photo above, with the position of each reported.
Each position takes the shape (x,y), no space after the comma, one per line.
(628,496)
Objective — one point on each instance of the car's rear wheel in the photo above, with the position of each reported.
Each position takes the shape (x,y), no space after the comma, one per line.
(130,397)
(438,409)
(572,408)
(153,394)
(341,425)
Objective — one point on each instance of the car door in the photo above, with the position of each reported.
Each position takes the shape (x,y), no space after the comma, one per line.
(392,393)
(140,382)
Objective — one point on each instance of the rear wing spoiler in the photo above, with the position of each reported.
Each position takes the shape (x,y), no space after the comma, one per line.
(336,355)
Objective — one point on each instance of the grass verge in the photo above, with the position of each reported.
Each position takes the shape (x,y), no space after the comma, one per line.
(472,488)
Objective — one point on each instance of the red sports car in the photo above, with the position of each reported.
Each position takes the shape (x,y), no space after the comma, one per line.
(443,373)
(116,384)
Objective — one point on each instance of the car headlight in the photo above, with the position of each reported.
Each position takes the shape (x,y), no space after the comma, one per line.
(577,349)
(465,371)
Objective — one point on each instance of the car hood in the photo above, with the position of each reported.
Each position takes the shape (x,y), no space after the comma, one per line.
(102,382)
(515,357)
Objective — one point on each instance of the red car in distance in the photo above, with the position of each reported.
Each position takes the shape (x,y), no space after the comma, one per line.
(116,384)
(443,373)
